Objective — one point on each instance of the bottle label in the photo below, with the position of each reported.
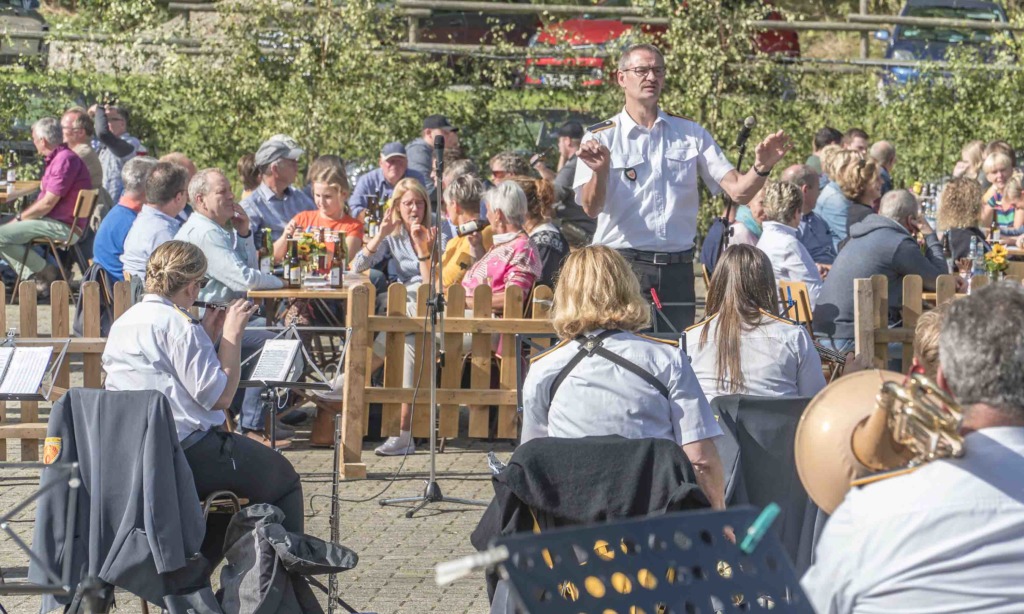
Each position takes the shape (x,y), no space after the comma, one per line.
(293,275)
(265,265)
(336,277)
(12,175)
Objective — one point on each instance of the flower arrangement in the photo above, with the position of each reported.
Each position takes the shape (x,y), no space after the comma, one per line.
(309,248)
(995,260)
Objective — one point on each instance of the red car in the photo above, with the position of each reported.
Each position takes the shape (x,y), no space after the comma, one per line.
(610,35)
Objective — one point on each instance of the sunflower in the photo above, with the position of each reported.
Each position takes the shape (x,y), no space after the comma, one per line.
(999,250)
(303,248)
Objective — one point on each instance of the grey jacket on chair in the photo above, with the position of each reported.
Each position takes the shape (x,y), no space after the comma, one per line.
(139,522)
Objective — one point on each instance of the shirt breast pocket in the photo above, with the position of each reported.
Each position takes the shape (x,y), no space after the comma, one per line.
(681,164)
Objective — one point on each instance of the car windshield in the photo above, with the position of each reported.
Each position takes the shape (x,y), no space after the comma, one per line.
(950,35)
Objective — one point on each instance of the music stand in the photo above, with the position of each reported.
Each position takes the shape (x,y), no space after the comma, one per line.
(678,562)
(270,397)
(46,391)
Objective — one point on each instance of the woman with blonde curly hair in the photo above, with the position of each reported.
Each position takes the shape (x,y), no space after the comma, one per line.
(835,202)
(971,158)
(959,212)
(861,183)
(629,385)
(547,239)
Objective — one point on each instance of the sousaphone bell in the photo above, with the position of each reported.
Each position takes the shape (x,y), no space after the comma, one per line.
(870,425)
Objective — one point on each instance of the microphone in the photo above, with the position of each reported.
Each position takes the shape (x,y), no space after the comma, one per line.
(439,157)
(748,125)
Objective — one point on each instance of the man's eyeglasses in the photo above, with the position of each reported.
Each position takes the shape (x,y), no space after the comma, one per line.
(498,174)
(642,71)
(114,119)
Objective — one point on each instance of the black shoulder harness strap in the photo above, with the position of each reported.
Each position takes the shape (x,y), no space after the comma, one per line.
(593,345)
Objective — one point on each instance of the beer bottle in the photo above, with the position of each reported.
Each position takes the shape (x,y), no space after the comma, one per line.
(339,262)
(993,230)
(947,253)
(12,161)
(294,266)
(267,254)
(322,263)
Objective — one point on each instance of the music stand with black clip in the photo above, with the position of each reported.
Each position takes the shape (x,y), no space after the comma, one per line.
(270,397)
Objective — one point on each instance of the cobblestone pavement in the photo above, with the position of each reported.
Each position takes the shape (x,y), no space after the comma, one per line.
(396,555)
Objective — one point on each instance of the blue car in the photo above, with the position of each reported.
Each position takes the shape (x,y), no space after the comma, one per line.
(908,43)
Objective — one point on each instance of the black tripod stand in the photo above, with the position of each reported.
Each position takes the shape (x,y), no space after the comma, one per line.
(435,308)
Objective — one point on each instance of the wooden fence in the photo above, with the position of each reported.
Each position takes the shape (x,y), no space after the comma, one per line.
(86,350)
(493,349)
(871,312)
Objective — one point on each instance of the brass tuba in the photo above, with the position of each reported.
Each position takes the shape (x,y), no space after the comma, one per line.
(871,422)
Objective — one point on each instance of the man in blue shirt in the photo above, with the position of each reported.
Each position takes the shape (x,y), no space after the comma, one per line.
(109,242)
(813,232)
(420,151)
(394,167)
(276,202)
(157,222)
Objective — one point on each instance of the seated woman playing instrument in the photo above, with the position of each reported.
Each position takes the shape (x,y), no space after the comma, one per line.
(157,345)
(630,385)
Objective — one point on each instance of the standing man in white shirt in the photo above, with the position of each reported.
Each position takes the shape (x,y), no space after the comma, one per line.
(948,536)
(779,238)
(639,179)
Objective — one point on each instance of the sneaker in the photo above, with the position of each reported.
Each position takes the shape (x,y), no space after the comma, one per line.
(283,431)
(295,416)
(337,388)
(395,447)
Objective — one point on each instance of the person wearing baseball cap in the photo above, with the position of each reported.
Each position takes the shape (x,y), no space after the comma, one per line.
(421,150)
(394,167)
(275,202)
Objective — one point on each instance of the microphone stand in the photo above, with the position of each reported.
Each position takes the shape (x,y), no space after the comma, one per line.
(435,308)
(727,232)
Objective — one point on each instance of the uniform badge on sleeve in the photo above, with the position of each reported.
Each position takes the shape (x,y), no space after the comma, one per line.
(51,450)
(631,174)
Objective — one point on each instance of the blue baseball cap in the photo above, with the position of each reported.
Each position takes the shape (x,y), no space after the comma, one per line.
(392,149)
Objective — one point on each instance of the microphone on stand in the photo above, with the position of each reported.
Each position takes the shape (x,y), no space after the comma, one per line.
(439,164)
(748,125)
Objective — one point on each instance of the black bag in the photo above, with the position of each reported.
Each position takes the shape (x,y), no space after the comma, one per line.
(266,566)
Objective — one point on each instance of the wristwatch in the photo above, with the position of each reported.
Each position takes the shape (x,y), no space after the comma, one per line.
(762,174)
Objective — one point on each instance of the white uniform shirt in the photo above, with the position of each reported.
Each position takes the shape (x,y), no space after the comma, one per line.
(652,198)
(777,359)
(156,346)
(601,398)
(947,538)
(790,259)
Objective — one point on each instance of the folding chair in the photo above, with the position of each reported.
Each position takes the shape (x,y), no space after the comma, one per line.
(796,303)
(83,211)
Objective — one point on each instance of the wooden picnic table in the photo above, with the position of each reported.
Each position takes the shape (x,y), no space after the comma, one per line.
(21,188)
(270,299)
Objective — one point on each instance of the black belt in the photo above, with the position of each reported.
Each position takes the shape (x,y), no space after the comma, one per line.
(592,345)
(658,258)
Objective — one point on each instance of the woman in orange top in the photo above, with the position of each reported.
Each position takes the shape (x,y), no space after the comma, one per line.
(330,191)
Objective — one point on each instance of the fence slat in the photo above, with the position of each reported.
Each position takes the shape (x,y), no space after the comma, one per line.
(394,360)
(92,371)
(3,331)
(421,371)
(122,298)
(29,327)
(357,359)
(451,374)
(880,291)
(863,317)
(945,288)
(60,326)
(508,427)
(912,305)
(480,367)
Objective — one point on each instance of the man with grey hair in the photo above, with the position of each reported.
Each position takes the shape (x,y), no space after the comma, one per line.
(157,222)
(880,244)
(276,201)
(790,259)
(221,228)
(947,535)
(884,153)
(639,179)
(108,246)
(813,231)
(51,216)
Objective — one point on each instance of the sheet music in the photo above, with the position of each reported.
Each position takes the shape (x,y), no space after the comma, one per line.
(25,370)
(276,360)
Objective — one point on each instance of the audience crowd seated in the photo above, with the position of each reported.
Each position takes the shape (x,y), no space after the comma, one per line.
(548,241)
(462,197)
(813,231)
(959,215)
(742,346)
(998,169)
(822,139)
(114,145)
(746,229)
(834,204)
(276,201)
(78,130)
(108,245)
(157,221)
(384,181)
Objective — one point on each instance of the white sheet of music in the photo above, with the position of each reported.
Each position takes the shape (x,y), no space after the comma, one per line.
(276,360)
(26,370)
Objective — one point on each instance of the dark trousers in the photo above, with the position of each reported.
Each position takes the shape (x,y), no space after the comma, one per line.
(226,461)
(674,284)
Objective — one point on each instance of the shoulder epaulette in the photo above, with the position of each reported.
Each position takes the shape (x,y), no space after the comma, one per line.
(678,116)
(702,322)
(598,127)
(885,475)
(673,343)
(549,350)
(185,314)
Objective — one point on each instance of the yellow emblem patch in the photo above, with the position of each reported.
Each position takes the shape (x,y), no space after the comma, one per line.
(51,450)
